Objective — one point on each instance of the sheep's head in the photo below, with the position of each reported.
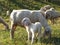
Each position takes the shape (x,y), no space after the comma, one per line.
(43,9)
(47,7)
(26,21)
(47,31)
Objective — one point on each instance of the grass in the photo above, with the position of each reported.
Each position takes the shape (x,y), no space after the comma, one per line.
(20,36)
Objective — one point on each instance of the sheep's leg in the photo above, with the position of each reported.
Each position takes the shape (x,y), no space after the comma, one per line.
(4,23)
(32,38)
(52,20)
(49,35)
(12,30)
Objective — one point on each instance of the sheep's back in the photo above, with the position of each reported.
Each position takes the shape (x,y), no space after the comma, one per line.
(17,16)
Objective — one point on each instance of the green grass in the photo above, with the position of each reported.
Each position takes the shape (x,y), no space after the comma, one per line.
(20,36)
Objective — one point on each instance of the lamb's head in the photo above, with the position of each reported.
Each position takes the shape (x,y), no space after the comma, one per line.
(26,21)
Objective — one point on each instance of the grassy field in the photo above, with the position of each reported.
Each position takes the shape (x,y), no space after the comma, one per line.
(20,37)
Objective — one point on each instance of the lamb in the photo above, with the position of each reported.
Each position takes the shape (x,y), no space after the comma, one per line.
(4,23)
(16,17)
(32,28)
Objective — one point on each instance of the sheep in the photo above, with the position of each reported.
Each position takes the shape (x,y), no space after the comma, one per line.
(47,7)
(44,8)
(52,14)
(17,15)
(48,11)
(4,23)
(32,28)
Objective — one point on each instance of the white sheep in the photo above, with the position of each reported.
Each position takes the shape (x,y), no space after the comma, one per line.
(16,17)
(44,8)
(52,14)
(4,23)
(47,7)
(32,28)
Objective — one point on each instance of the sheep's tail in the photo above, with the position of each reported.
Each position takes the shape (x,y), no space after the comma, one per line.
(8,13)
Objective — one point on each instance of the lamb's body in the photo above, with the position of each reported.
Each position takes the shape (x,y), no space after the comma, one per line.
(34,27)
(17,16)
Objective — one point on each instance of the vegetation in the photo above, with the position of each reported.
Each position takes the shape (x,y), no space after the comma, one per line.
(25,4)
(20,33)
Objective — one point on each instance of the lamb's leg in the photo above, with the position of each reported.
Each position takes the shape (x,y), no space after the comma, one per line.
(32,38)
(29,35)
(13,27)
(39,34)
